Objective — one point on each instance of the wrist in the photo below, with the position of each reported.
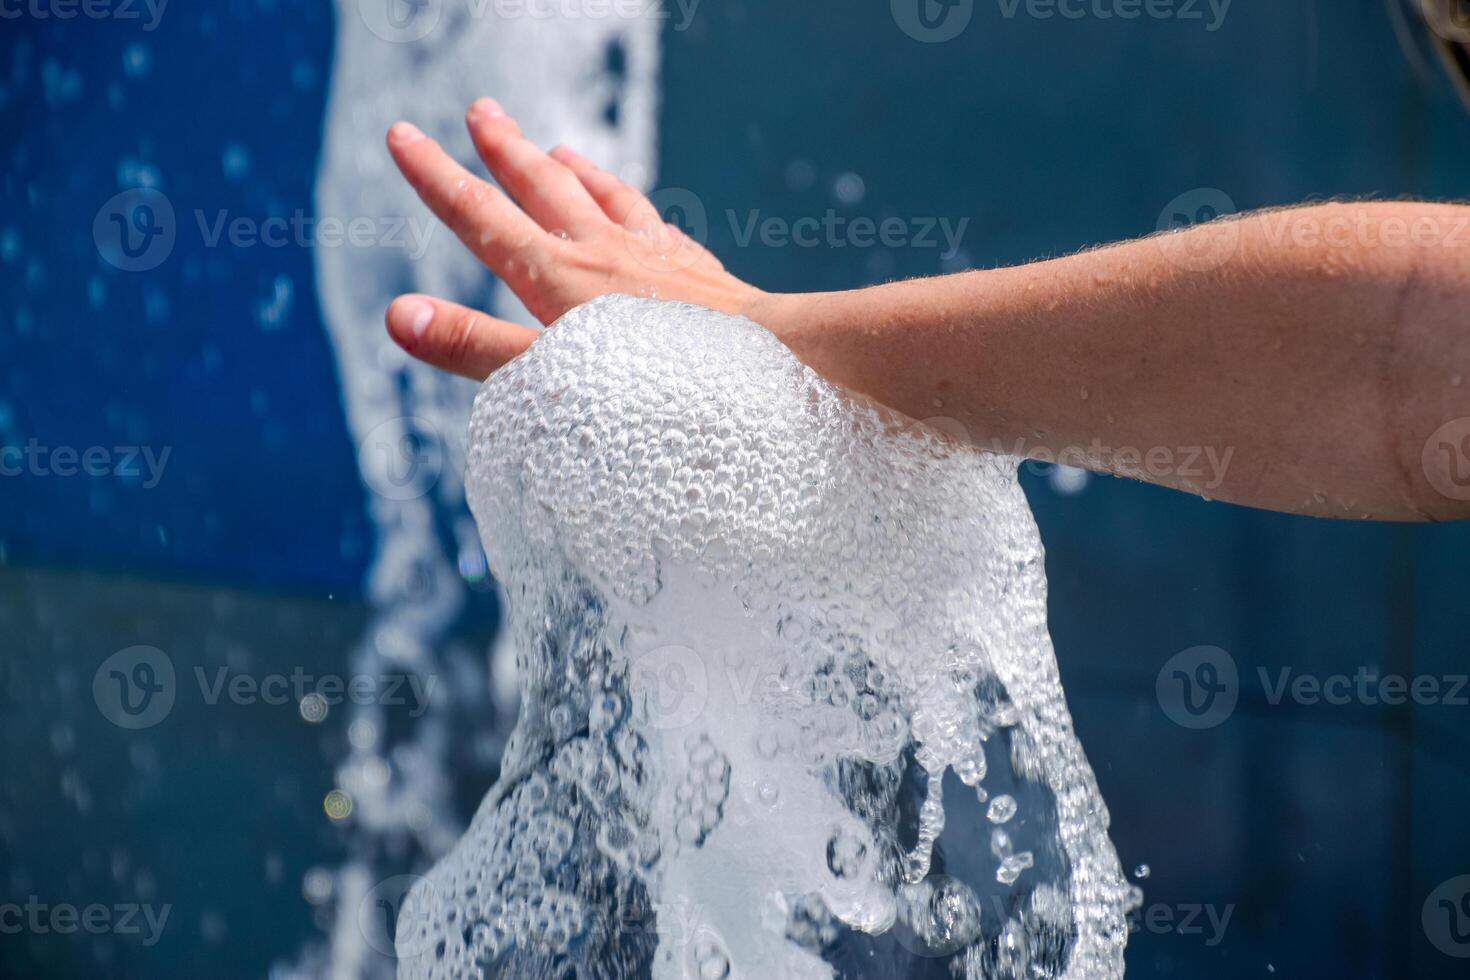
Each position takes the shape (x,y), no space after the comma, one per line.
(787,315)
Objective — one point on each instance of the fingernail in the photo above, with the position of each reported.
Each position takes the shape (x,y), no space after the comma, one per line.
(407,321)
(568,155)
(485,108)
(404,133)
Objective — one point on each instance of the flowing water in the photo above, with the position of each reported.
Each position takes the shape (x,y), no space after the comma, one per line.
(585,81)
(789,703)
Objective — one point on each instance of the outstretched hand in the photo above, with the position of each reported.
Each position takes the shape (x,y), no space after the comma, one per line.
(558,231)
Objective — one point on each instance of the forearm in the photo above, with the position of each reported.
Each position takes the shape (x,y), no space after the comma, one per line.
(1301,365)
(1311,360)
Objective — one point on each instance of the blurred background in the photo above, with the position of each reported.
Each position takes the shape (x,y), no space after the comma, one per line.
(248,676)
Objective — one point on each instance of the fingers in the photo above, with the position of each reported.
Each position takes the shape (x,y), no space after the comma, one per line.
(546,189)
(619,201)
(453,337)
(486,220)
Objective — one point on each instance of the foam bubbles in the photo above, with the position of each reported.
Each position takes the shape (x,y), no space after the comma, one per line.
(761,624)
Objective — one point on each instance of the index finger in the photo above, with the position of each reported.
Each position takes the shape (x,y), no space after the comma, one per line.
(502,235)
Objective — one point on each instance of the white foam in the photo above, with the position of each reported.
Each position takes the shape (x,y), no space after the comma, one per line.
(758,622)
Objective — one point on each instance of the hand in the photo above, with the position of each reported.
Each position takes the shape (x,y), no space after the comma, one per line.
(558,231)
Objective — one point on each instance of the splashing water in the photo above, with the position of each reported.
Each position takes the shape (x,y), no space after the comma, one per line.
(786,673)
(585,81)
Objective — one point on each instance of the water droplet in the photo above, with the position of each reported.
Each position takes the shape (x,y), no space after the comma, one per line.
(136,59)
(1001,809)
(338,805)
(314,708)
(849,188)
(236,161)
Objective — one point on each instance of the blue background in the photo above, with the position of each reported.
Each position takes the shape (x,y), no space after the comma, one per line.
(1324,827)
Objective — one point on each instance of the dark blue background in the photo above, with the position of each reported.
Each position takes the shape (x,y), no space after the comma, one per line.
(1325,827)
